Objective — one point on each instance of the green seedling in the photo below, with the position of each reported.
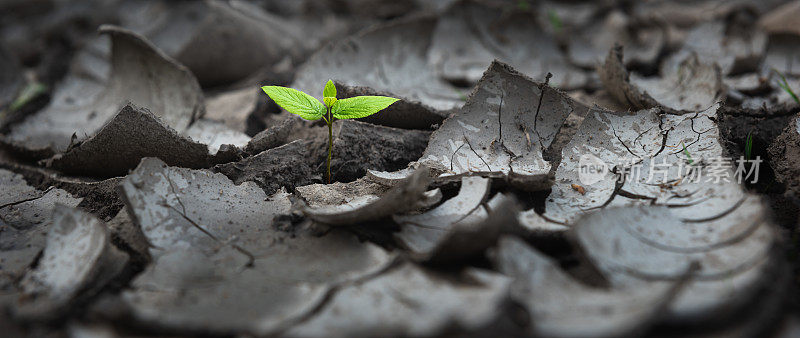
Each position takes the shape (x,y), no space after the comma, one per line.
(30,92)
(555,20)
(686,152)
(785,86)
(748,146)
(309,108)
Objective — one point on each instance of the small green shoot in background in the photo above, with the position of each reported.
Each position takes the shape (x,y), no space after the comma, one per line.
(688,155)
(31,91)
(785,86)
(309,108)
(748,146)
(555,20)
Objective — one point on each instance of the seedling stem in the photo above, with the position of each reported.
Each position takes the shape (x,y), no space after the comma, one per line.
(309,108)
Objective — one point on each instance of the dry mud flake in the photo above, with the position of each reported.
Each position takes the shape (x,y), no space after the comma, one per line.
(600,98)
(685,14)
(244,36)
(409,301)
(134,133)
(469,35)
(730,261)
(24,222)
(217,136)
(687,86)
(640,159)
(740,85)
(337,193)
(219,264)
(402,197)
(501,132)
(271,137)
(342,198)
(560,306)
(123,228)
(532,224)
(78,260)
(388,60)
(233,108)
(286,166)
(783,54)
(140,73)
(691,207)
(783,51)
(735,44)
(359,192)
(785,158)
(461,227)
(642,42)
(776,98)
(783,19)
(99,196)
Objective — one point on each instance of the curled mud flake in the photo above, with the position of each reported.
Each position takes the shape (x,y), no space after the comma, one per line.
(24,223)
(688,86)
(635,246)
(389,178)
(289,166)
(140,73)
(272,137)
(337,193)
(78,260)
(560,306)
(409,301)
(215,135)
(126,230)
(536,225)
(643,42)
(782,20)
(492,133)
(469,35)
(461,227)
(783,51)
(263,40)
(134,133)
(220,264)
(735,44)
(645,158)
(400,198)
(233,108)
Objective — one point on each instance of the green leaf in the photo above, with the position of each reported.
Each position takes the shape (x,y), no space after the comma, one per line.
(555,20)
(30,92)
(785,86)
(330,90)
(748,146)
(296,102)
(329,101)
(361,106)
